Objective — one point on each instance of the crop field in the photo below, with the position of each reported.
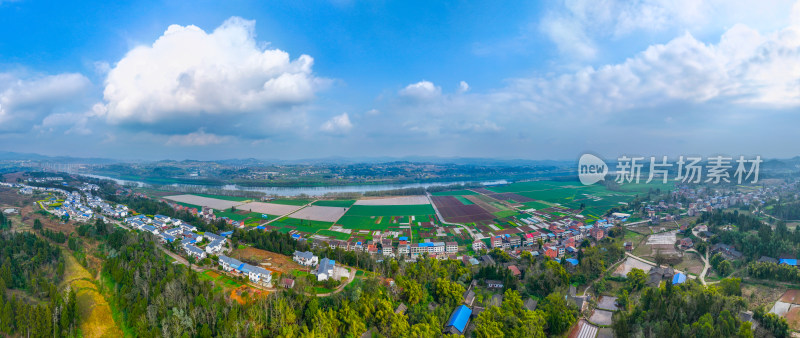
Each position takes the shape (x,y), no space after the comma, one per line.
(303,225)
(536,205)
(464,200)
(238,215)
(268,208)
(399,200)
(290,202)
(318,213)
(334,234)
(487,203)
(597,199)
(454,211)
(510,196)
(504,213)
(381,217)
(390,210)
(454,193)
(204,201)
(483,191)
(335,203)
(223,197)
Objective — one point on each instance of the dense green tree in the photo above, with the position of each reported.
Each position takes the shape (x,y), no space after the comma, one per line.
(558,315)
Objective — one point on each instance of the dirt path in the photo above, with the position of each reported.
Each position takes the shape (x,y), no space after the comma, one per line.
(705,267)
(94,311)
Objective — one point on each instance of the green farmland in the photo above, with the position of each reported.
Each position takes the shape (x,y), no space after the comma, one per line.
(335,203)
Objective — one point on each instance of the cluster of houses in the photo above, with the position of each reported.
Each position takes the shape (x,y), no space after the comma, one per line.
(386,247)
(74,207)
(557,241)
(168,230)
(205,213)
(706,200)
(116,211)
(256,274)
(325,267)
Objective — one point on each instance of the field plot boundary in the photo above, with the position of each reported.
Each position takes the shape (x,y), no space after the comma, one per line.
(398,200)
(269,208)
(320,213)
(213,203)
(456,212)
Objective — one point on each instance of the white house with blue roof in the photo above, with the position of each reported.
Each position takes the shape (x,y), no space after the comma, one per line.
(325,269)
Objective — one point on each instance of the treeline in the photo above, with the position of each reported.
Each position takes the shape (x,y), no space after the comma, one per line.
(786,211)
(162,299)
(764,242)
(269,240)
(5,223)
(35,267)
(745,222)
(772,271)
(683,311)
(771,322)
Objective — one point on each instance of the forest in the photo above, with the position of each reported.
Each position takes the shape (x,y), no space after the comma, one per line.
(33,268)
(686,310)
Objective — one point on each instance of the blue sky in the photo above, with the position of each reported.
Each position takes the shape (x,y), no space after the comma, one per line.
(289,79)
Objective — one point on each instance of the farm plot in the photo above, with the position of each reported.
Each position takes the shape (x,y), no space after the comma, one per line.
(335,203)
(268,208)
(483,191)
(390,210)
(399,200)
(509,196)
(454,193)
(318,213)
(454,211)
(303,225)
(381,217)
(213,203)
(486,203)
(290,202)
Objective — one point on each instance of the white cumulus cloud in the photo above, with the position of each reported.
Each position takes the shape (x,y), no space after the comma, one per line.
(338,124)
(423,90)
(188,72)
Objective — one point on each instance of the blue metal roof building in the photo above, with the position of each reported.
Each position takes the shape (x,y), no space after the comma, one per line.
(787,261)
(679,278)
(458,320)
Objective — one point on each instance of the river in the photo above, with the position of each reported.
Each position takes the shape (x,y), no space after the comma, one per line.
(295,191)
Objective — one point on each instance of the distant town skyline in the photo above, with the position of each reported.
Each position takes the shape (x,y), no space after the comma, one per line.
(288,80)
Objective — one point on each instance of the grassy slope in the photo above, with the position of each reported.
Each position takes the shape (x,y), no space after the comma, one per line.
(94,310)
